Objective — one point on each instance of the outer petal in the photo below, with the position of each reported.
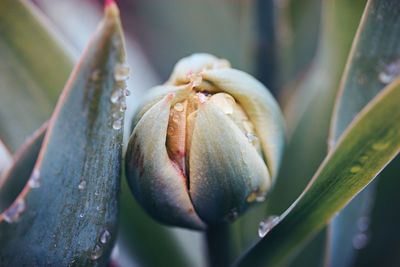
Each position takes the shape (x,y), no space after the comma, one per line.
(224,168)
(259,105)
(194,64)
(156,182)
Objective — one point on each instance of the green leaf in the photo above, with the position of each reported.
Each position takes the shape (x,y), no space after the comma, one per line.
(13,180)
(370,142)
(375,49)
(34,68)
(70,219)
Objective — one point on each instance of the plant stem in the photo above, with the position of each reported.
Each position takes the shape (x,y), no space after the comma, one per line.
(218,245)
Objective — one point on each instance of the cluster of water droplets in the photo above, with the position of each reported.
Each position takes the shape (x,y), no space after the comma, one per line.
(267,224)
(13,213)
(118,96)
(104,238)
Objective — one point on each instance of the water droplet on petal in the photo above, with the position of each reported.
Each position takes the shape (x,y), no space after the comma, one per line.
(360,240)
(121,72)
(13,213)
(355,169)
(117,124)
(251,137)
(82,185)
(105,237)
(267,224)
(202,97)
(179,107)
(34,180)
(96,252)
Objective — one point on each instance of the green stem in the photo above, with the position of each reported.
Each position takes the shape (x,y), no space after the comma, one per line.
(218,245)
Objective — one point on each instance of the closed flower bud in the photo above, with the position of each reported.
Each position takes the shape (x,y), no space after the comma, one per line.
(205,145)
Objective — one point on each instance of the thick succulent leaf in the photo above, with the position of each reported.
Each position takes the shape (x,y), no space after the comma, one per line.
(73,213)
(224,167)
(157,183)
(30,75)
(17,175)
(370,142)
(374,61)
(260,106)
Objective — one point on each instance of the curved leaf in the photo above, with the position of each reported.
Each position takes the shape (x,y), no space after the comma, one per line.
(17,175)
(375,48)
(34,68)
(73,213)
(370,142)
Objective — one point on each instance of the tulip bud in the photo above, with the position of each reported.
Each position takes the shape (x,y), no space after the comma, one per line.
(205,145)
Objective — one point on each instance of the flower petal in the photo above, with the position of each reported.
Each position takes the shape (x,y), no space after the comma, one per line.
(259,105)
(225,169)
(157,183)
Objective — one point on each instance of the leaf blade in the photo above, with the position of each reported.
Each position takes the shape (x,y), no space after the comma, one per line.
(375,133)
(79,226)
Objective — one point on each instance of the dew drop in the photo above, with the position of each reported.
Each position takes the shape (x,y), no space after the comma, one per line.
(260,198)
(389,72)
(13,213)
(117,124)
(267,224)
(116,96)
(179,107)
(121,72)
(251,137)
(202,97)
(360,240)
(380,146)
(96,252)
(105,237)
(355,169)
(123,105)
(82,185)
(81,215)
(127,92)
(34,180)
(232,215)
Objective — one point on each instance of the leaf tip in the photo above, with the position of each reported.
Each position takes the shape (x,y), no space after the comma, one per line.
(110,8)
